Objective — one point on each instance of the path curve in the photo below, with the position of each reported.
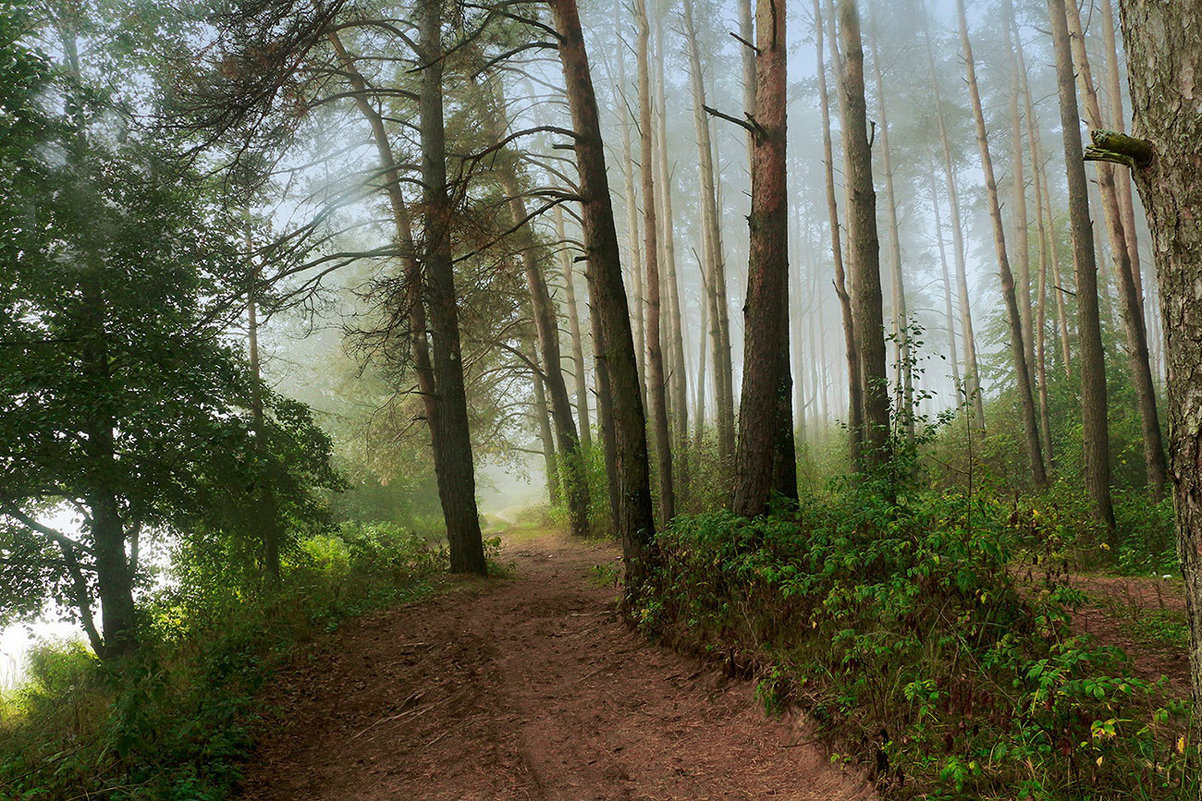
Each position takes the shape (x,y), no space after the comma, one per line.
(525,688)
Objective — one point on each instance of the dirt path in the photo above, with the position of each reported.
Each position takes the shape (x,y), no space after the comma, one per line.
(527,688)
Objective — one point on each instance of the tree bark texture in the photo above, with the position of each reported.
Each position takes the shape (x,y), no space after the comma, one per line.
(765,313)
(632,219)
(613,340)
(1093,359)
(1164,63)
(1130,303)
(1045,245)
(411,306)
(456,478)
(863,243)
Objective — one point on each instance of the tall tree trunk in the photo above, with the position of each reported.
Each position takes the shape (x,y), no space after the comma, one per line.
(855,399)
(613,341)
(569,283)
(766,311)
(1130,303)
(1021,222)
(714,269)
(114,576)
(656,379)
(1093,360)
(456,479)
(677,374)
(901,348)
(1163,53)
(504,166)
(747,20)
(863,243)
(972,375)
(1038,184)
(632,218)
(1017,350)
(1093,365)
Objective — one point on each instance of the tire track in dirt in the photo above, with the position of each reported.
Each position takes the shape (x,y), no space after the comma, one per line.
(525,688)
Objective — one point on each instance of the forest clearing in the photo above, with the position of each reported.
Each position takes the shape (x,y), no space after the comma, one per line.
(600,399)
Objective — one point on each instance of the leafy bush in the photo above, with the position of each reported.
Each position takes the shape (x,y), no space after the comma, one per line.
(907,630)
(176,724)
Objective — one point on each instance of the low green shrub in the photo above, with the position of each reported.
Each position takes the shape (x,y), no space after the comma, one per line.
(176,723)
(930,635)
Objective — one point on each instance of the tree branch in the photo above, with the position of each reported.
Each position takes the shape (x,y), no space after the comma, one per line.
(61,539)
(1119,148)
(749,123)
(744,42)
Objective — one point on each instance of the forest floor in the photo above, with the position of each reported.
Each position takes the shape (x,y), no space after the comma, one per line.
(1145,616)
(526,687)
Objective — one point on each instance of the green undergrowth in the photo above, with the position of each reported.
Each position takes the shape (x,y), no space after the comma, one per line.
(177,722)
(929,635)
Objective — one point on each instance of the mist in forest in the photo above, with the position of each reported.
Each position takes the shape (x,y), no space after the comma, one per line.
(847,315)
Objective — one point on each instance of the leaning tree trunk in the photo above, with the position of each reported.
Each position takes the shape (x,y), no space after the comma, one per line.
(504,164)
(1044,236)
(656,378)
(1130,304)
(1093,359)
(1018,179)
(632,218)
(1017,350)
(1164,52)
(863,243)
(855,399)
(456,479)
(766,311)
(614,343)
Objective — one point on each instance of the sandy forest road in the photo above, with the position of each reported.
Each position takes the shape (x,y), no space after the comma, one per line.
(525,688)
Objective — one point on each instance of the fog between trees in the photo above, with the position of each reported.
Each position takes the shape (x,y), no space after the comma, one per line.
(274,267)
